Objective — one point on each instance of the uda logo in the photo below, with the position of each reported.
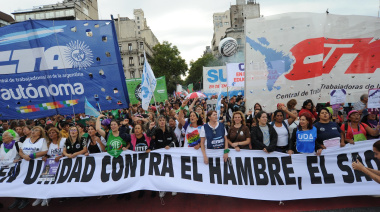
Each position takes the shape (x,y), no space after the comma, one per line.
(78,55)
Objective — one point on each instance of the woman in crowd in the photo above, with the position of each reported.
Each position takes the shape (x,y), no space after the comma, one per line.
(213,136)
(354,130)
(263,136)
(374,174)
(303,139)
(238,135)
(257,107)
(308,107)
(55,145)
(291,104)
(82,130)
(162,137)
(94,144)
(176,127)
(27,130)
(19,131)
(34,147)
(191,127)
(329,133)
(295,123)
(9,156)
(281,125)
(74,144)
(372,121)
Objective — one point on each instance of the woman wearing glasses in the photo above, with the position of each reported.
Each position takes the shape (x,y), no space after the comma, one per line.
(213,136)
(74,145)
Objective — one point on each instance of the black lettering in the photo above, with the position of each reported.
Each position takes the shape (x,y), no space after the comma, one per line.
(349,177)
(197,176)
(185,168)
(259,167)
(130,164)
(87,175)
(104,176)
(244,171)
(117,174)
(288,170)
(274,169)
(75,173)
(215,170)
(229,174)
(14,172)
(154,162)
(327,178)
(369,157)
(29,179)
(143,157)
(167,166)
(4,172)
(313,170)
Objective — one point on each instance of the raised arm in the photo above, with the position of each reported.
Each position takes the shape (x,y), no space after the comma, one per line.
(99,126)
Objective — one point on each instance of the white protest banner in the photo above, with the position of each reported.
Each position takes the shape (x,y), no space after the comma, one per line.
(305,55)
(213,77)
(211,104)
(374,98)
(252,174)
(235,74)
(337,96)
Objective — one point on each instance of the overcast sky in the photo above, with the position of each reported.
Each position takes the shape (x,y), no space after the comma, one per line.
(189,25)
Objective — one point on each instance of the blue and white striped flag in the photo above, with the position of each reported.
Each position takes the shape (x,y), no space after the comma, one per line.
(89,109)
(219,102)
(148,84)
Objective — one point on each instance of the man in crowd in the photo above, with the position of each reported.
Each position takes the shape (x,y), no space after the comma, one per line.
(361,106)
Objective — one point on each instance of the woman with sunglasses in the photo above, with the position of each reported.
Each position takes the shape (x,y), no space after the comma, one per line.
(214,136)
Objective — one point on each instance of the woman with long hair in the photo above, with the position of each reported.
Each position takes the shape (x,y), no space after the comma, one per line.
(281,125)
(213,136)
(191,126)
(27,130)
(74,144)
(304,138)
(94,143)
(238,135)
(308,107)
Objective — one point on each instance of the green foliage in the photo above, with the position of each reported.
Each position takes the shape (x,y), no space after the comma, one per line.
(196,70)
(168,62)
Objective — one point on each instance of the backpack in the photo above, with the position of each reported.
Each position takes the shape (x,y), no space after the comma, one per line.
(346,128)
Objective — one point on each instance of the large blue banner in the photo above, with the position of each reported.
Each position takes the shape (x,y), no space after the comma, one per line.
(50,67)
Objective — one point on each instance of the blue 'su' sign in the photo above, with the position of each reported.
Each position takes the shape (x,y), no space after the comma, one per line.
(213,76)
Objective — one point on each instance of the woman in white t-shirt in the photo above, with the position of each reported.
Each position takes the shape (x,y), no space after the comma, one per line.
(282,128)
(34,147)
(192,127)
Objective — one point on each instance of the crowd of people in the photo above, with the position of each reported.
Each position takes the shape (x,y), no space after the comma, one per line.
(187,123)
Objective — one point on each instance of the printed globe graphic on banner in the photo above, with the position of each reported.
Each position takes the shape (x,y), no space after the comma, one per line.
(228,47)
(138,93)
(78,54)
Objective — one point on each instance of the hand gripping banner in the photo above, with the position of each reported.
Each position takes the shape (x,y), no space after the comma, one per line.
(50,67)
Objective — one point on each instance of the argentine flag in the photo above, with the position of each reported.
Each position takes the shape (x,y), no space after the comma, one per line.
(89,109)
(148,84)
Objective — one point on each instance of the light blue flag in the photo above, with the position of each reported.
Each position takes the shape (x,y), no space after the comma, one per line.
(90,110)
(219,102)
(148,84)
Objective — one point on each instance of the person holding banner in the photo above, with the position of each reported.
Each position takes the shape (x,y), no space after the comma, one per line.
(213,136)
(304,137)
(191,127)
(374,174)
(74,144)
(94,143)
(263,135)
(32,148)
(329,133)
(355,131)
(238,135)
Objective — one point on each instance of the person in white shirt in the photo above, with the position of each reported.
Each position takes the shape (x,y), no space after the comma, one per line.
(281,125)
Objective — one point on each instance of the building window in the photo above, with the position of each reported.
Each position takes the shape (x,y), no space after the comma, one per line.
(238,41)
(138,27)
(131,63)
(141,45)
(226,23)
(132,74)
(138,18)
(129,46)
(141,59)
(138,22)
(139,32)
(141,73)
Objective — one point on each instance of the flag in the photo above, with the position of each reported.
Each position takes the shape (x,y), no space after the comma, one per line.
(219,102)
(90,110)
(148,84)
(190,88)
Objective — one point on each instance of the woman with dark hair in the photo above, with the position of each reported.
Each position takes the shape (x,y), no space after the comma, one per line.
(291,104)
(303,139)
(308,107)
(329,133)
(82,130)
(213,136)
(74,144)
(372,121)
(355,131)
(257,107)
(94,143)
(238,135)
(27,130)
(263,136)
(374,174)
(281,125)
(192,127)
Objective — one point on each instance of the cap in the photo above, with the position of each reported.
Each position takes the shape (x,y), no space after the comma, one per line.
(351,112)
(153,108)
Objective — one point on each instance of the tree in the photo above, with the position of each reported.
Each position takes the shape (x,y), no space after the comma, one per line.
(196,70)
(168,62)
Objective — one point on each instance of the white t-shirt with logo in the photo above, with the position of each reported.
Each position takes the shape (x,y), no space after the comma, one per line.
(54,150)
(29,148)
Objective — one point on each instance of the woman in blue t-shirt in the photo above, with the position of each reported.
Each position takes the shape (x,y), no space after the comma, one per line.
(329,133)
(303,139)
